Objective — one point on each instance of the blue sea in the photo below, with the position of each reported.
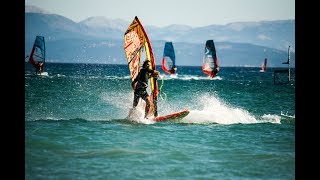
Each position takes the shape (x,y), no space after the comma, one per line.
(241,125)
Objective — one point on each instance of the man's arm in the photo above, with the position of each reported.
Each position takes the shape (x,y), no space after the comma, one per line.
(133,82)
(155,74)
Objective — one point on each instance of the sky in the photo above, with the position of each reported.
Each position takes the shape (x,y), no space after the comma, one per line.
(161,13)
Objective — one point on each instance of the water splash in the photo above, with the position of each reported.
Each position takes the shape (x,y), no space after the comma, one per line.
(211,109)
(187,77)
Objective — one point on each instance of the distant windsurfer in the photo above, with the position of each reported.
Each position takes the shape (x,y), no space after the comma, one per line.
(215,71)
(173,70)
(39,68)
(140,84)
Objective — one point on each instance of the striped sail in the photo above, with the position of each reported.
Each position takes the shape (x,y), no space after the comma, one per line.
(137,48)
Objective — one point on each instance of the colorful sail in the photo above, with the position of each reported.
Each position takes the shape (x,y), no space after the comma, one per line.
(264,65)
(137,47)
(38,54)
(210,65)
(169,59)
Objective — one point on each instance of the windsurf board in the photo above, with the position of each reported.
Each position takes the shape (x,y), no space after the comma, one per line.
(173,116)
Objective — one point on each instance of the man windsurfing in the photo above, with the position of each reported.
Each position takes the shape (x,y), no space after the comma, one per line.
(140,84)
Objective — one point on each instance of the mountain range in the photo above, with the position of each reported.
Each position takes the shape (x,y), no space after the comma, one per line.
(100,40)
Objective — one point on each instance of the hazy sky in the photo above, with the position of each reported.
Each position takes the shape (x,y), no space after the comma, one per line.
(166,12)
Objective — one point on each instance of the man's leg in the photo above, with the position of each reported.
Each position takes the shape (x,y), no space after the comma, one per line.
(145,97)
(147,108)
(135,99)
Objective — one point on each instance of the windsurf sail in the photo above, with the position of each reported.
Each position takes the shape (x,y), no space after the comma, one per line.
(277,78)
(264,65)
(288,61)
(210,65)
(169,59)
(137,47)
(38,54)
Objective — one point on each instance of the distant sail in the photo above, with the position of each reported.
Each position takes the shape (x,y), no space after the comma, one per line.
(210,65)
(38,54)
(137,48)
(264,65)
(169,59)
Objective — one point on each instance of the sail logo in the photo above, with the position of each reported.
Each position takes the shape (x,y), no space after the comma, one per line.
(134,67)
(132,42)
(207,51)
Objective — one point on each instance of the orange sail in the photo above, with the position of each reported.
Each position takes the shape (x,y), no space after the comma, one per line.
(137,47)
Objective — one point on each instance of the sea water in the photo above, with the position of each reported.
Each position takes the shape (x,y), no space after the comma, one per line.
(241,125)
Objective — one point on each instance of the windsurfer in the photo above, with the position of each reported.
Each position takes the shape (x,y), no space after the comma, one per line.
(173,70)
(215,72)
(39,67)
(140,84)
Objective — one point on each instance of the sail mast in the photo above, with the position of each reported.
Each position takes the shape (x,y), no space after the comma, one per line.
(289,63)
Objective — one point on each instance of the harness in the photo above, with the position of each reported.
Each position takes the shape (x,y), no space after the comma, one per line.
(141,85)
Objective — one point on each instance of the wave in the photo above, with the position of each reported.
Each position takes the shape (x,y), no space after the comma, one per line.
(113,106)
(114,77)
(211,109)
(43,74)
(188,77)
(30,75)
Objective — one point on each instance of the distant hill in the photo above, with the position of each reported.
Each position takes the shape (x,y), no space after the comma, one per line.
(100,40)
